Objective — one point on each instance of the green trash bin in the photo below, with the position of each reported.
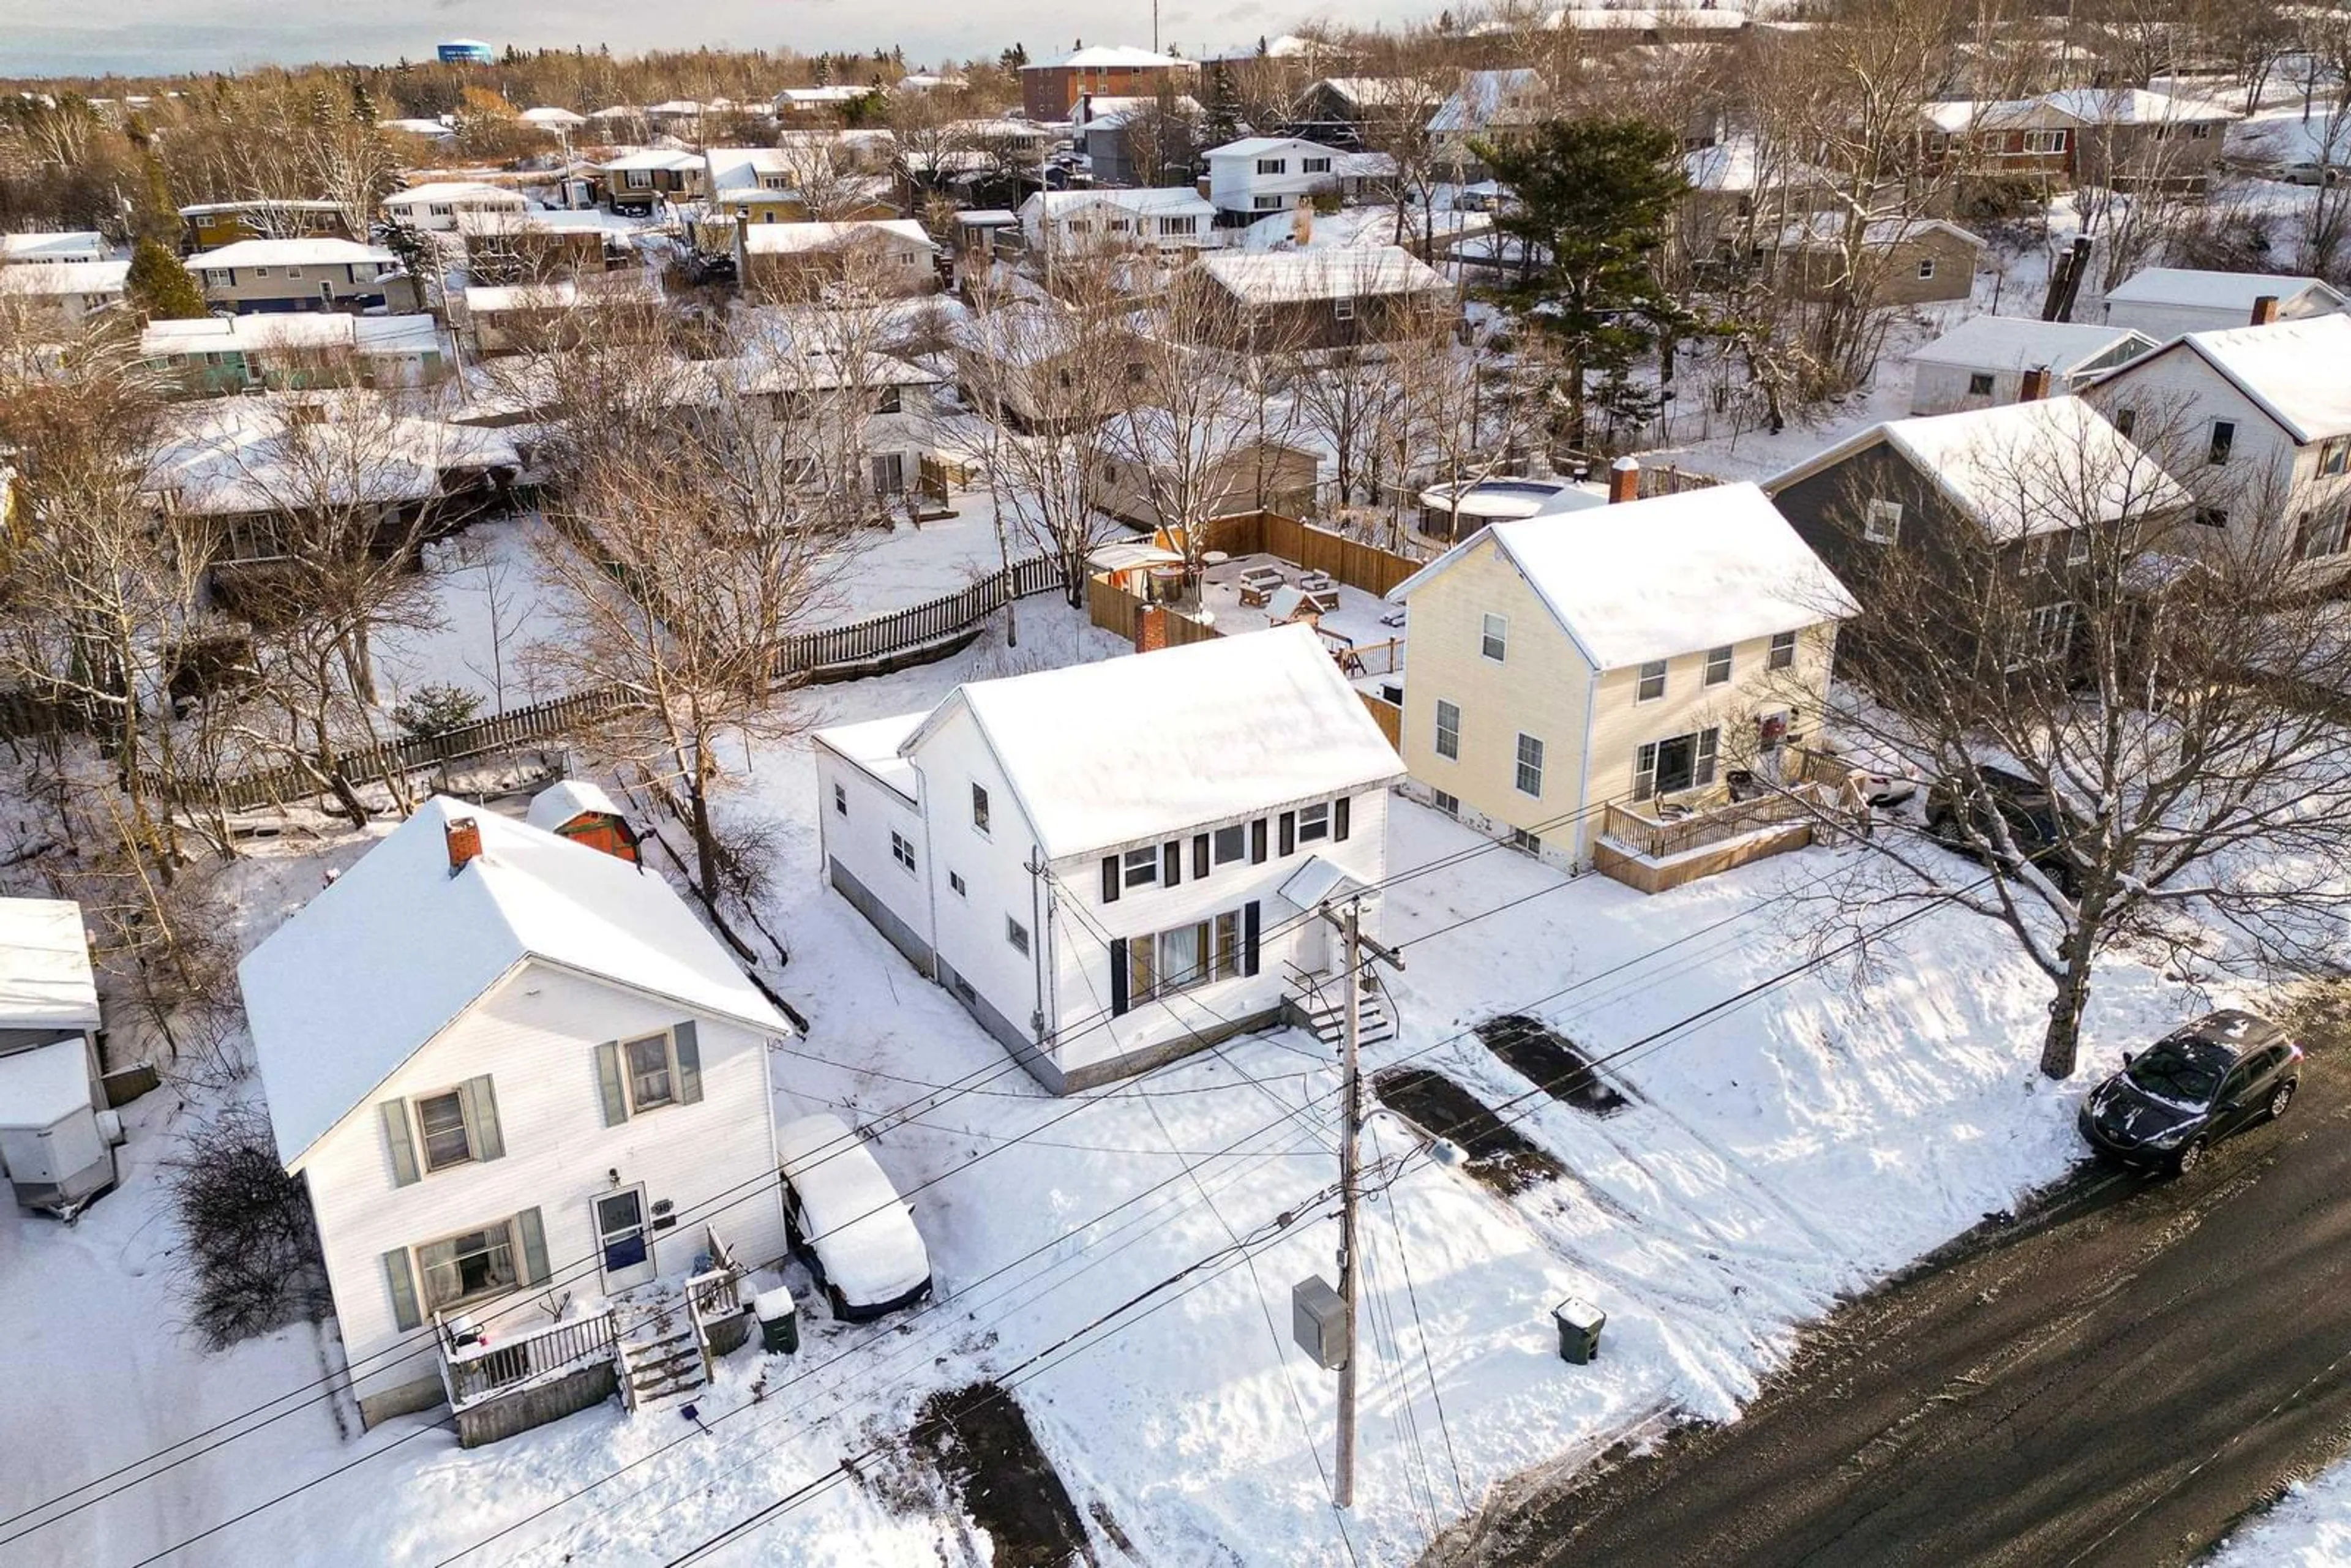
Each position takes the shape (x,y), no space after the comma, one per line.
(779,1321)
(1580,1324)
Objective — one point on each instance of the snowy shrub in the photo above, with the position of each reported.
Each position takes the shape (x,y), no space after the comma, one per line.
(250,1261)
(433,711)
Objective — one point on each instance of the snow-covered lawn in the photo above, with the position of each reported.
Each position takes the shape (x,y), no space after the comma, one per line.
(2309,1528)
(1778,1153)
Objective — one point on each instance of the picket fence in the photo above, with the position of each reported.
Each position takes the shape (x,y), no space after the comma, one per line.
(835,651)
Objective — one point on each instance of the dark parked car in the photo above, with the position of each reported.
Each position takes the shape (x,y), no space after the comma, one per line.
(2192,1087)
(2035,822)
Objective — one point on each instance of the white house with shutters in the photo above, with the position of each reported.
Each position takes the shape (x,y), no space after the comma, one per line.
(1261,174)
(522,1084)
(1113,864)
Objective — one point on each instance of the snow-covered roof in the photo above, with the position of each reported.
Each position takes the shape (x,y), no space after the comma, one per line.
(45,980)
(987,217)
(857,1222)
(1170,201)
(784,239)
(2219,290)
(2298,371)
(2023,343)
(378,964)
(1282,277)
(1110,56)
(836,92)
(255,455)
(449,193)
(735,169)
(320,250)
(2133,105)
(43,1086)
(872,744)
(2022,468)
(261,204)
(1736,571)
(659,158)
(66,277)
(1097,110)
(292,330)
(1645,18)
(617,111)
(1211,732)
(78,244)
(1265,146)
(1377,92)
(1502,498)
(1487,95)
(566,799)
(1822,229)
(549,114)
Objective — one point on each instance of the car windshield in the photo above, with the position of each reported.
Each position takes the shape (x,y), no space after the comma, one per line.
(2185,1072)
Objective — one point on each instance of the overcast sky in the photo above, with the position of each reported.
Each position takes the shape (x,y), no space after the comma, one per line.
(60,38)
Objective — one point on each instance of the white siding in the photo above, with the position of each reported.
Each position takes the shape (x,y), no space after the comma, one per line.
(536,1036)
(1083,926)
(859,840)
(994,867)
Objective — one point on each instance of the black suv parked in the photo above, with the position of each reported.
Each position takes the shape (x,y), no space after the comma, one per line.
(2035,822)
(2192,1087)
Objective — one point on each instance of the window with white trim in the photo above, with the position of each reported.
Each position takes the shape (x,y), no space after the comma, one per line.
(1267,204)
(1273,165)
(1139,867)
(1925,267)
(1448,730)
(2078,546)
(1677,763)
(2320,534)
(1881,520)
(979,807)
(902,849)
(1529,772)
(1343,307)
(839,801)
(1979,383)
(1494,637)
(1314,822)
(1016,936)
(1230,843)
(1651,683)
(1314,165)
(2221,443)
(442,1129)
(1718,666)
(2048,633)
(1783,651)
(2045,141)
(649,1068)
(955,885)
(2334,456)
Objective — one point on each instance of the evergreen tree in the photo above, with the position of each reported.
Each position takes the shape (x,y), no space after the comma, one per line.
(1224,117)
(160,287)
(1589,203)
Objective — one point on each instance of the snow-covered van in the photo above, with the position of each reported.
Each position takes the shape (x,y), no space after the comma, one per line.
(841,1209)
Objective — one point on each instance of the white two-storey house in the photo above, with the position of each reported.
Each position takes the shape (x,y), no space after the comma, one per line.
(521,1082)
(1262,174)
(1113,864)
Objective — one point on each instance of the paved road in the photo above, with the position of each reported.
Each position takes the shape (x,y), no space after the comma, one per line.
(2112,1381)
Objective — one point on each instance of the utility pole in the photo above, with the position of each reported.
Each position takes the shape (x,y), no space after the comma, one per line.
(1343,1484)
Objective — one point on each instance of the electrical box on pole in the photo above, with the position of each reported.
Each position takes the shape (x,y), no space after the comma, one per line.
(1318,1321)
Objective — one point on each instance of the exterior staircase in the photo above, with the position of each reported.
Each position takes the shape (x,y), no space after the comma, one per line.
(662,1355)
(1321,1003)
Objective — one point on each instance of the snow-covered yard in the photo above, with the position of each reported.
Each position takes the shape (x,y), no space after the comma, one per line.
(1088,1251)
(2309,1528)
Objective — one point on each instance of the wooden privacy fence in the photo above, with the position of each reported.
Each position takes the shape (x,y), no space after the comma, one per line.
(1351,561)
(838,652)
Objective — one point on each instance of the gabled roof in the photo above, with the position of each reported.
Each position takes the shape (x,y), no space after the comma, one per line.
(318,251)
(1110,57)
(44,975)
(654,158)
(397,948)
(2294,371)
(1154,201)
(66,278)
(2023,343)
(1669,575)
(1291,276)
(2219,290)
(2020,468)
(1483,97)
(1264,146)
(765,239)
(567,798)
(73,245)
(1211,732)
(453,190)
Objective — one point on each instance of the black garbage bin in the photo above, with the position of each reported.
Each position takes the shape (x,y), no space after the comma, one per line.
(1580,1324)
(779,1321)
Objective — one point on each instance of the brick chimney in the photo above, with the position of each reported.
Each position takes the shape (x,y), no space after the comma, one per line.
(1624,480)
(464,843)
(2264,309)
(1151,629)
(2036,385)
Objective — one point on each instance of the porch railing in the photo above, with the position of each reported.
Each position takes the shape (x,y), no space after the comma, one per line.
(473,1372)
(1661,837)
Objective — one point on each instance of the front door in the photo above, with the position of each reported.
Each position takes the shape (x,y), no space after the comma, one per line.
(622,1243)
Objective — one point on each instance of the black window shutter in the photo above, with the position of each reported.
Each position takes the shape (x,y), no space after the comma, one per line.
(1339,813)
(1248,937)
(1199,856)
(1289,831)
(1257,842)
(1118,975)
(1110,879)
(1171,861)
